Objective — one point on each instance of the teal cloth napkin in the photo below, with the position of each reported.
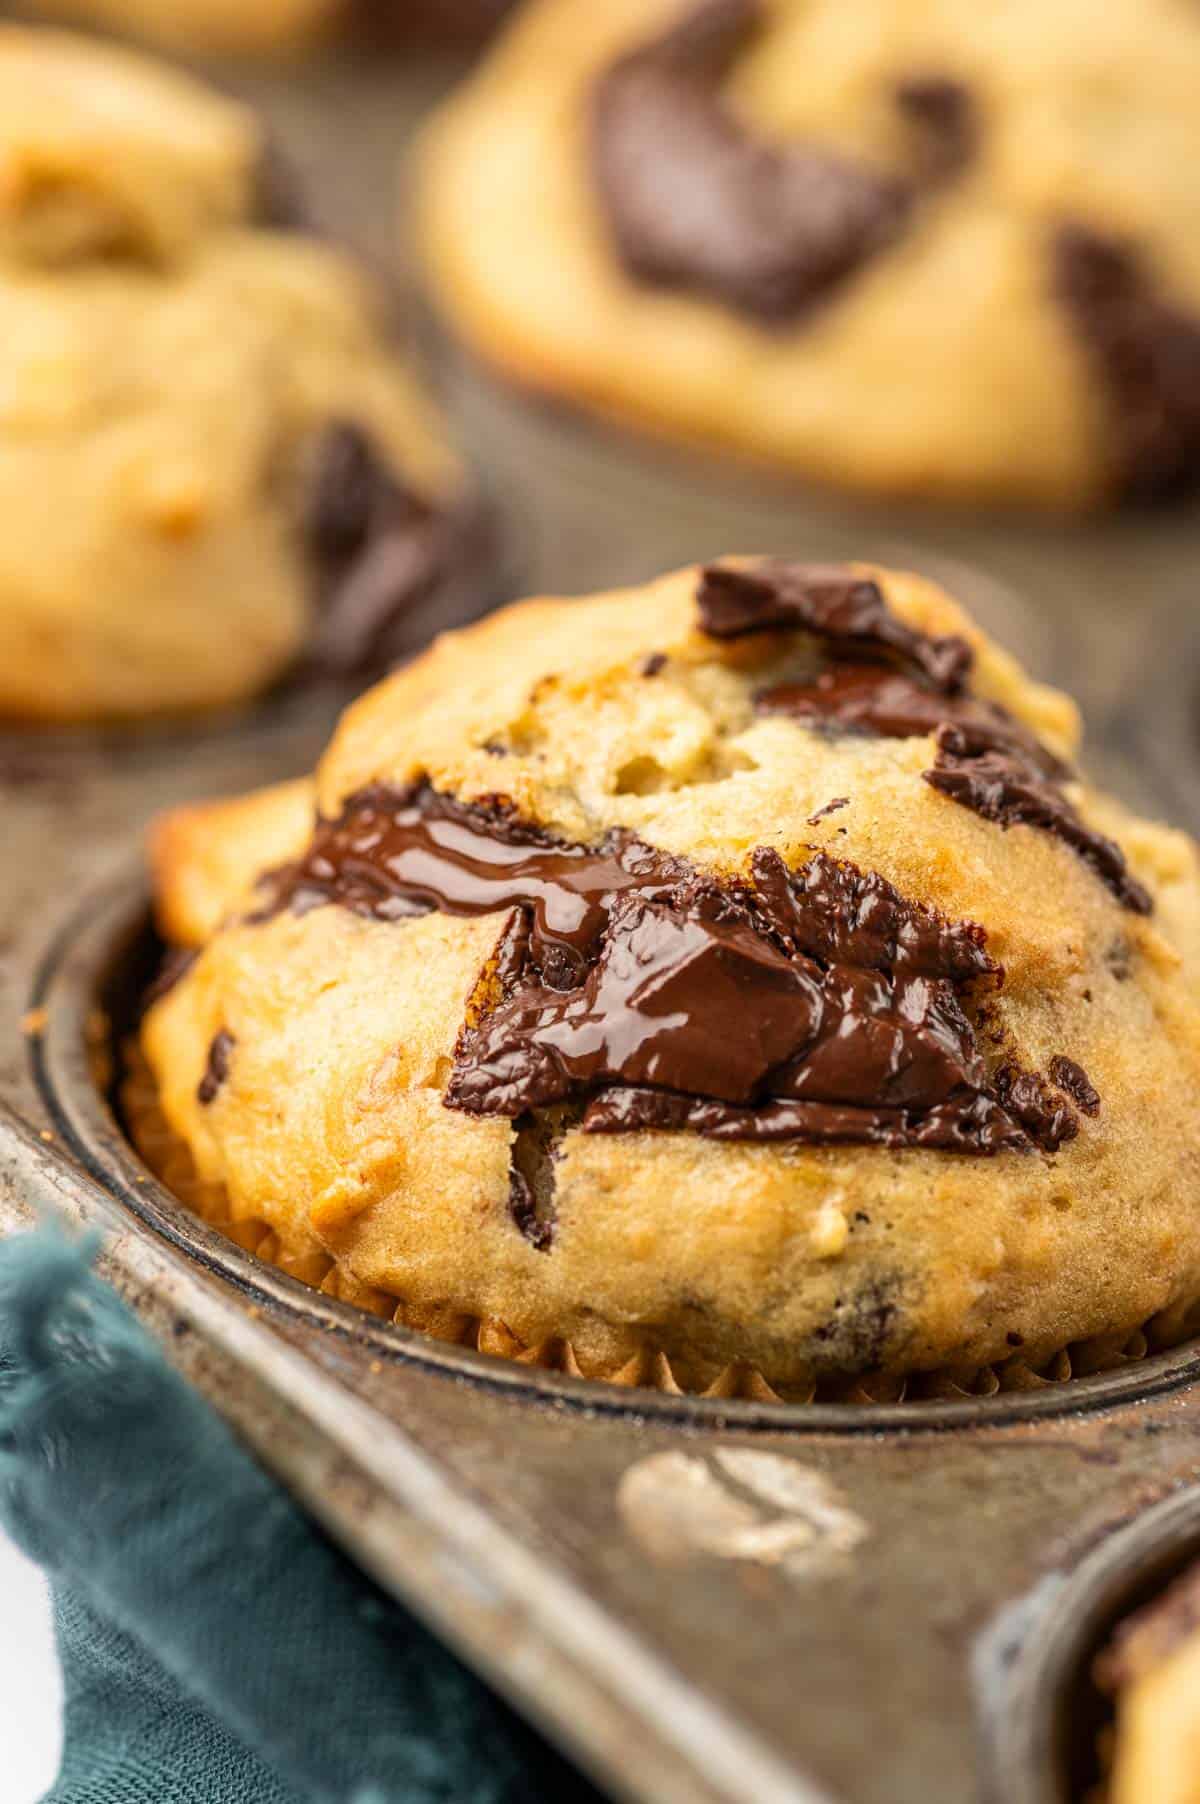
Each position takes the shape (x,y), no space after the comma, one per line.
(216,1647)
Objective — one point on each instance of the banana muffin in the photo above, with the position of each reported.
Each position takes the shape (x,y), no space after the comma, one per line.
(734,969)
(214,464)
(1151,1668)
(909,247)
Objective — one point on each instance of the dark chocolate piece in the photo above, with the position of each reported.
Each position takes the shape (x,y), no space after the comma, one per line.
(217,1069)
(1007,788)
(942,114)
(811,1004)
(972,1125)
(1074,1080)
(177,962)
(377,548)
(1029,1099)
(847,611)
(395,853)
(832,807)
(695,200)
(872,699)
(531,1176)
(1146,354)
(986,760)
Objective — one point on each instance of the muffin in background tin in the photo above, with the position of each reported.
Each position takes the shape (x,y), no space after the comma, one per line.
(930,251)
(277,27)
(1151,1670)
(726,980)
(215,465)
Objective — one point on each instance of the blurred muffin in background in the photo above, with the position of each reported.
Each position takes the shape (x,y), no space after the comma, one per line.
(1151,1668)
(899,245)
(213,464)
(275,25)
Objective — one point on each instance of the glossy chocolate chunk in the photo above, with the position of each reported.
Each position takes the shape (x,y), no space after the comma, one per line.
(1145,351)
(392,853)
(377,547)
(696,200)
(887,704)
(1007,788)
(818,1003)
(887,679)
(847,611)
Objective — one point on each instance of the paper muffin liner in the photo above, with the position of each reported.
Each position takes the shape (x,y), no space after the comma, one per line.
(170,1159)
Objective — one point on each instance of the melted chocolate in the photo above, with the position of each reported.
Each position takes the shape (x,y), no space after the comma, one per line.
(1146,353)
(831,602)
(816,1004)
(695,200)
(217,1069)
(395,853)
(1005,787)
(975,1125)
(870,698)
(889,680)
(377,547)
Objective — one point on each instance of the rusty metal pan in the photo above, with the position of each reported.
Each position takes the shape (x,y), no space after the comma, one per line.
(701,1600)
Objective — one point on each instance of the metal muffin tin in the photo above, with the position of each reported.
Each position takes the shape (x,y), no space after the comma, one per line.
(702,1600)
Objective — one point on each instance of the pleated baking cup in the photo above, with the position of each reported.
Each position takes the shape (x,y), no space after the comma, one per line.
(170,1159)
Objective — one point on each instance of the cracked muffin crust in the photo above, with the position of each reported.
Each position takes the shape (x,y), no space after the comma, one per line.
(213,464)
(629,975)
(915,248)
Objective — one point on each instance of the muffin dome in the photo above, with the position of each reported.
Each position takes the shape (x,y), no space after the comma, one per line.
(732,968)
(212,464)
(910,247)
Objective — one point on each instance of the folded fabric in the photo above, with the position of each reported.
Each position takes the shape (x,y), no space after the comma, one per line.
(216,1647)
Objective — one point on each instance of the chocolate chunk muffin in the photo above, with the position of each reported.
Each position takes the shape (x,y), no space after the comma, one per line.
(276,25)
(214,465)
(734,970)
(931,251)
(1152,1669)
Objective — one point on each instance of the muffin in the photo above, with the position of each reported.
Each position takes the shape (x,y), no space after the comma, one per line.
(732,971)
(275,25)
(918,249)
(214,464)
(1152,1669)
